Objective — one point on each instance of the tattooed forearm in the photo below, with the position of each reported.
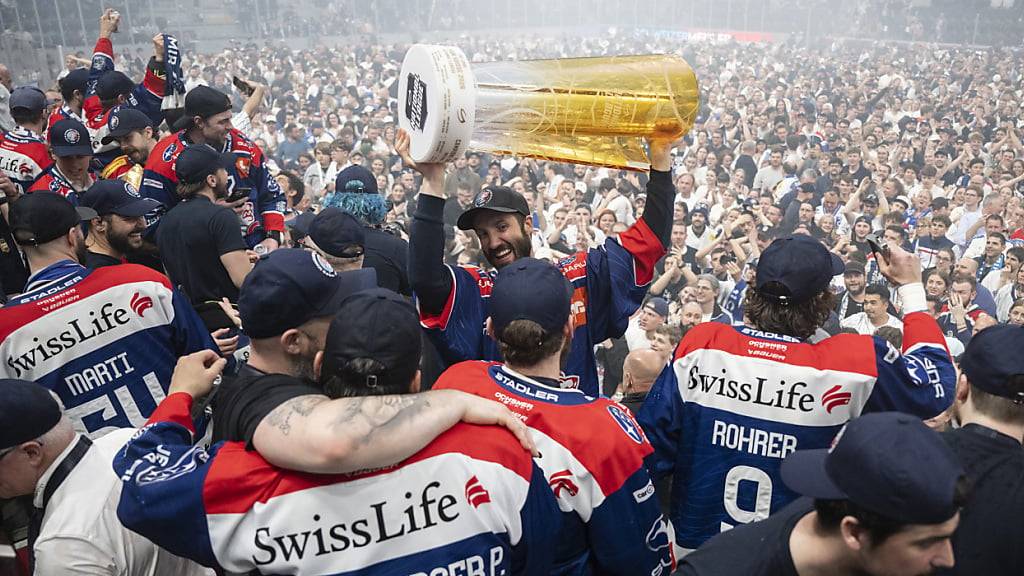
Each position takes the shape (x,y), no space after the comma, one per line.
(281,416)
(365,418)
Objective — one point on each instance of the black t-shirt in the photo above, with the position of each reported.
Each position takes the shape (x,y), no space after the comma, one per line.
(988,540)
(388,255)
(96,260)
(192,237)
(757,549)
(13,271)
(242,402)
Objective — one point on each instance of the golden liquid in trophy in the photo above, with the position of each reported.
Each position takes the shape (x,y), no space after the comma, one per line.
(579,110)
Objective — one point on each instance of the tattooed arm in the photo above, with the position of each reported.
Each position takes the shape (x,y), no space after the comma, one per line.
(316,434)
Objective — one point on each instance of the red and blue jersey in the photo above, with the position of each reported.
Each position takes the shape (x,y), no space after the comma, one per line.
(23,157)
(735,401)
(609,284)
(592,454)
(147,98)
(105,341)
(53,180)
(471,502)
(263,213)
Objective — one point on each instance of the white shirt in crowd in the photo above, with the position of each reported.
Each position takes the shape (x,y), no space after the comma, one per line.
(81,534)
(636,337)
(863,325)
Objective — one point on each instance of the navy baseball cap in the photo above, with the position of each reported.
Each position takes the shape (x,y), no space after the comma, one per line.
(380,325)
(497,199)
(198,161)
(337,233)
(300,225)
(29,98)
(117,197)
(658,305)
(122,121)
(887,462)
(204,102)
(797,267)
(290,287)
(29,410)
(992,357)
(355,179)
(42,217)
(113,84)
(530,289)
(77,79)
(69,137)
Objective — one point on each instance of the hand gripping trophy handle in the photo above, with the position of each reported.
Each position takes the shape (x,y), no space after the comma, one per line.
(580,110)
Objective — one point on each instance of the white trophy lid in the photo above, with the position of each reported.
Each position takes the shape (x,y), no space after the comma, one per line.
(436,102)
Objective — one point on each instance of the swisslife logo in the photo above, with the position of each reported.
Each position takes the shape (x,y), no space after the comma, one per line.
(792,394)
(476,494)
(139,304)
(562,481)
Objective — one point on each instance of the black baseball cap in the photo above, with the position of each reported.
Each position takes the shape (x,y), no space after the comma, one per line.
(530,289)
(28,98)
(29,410)
(198,161)
(113,84)
(204,102)
(122,121)
(887,462)
(69,137)
(497,199)
(290,287)
(798,267)
(355,179)
(42,217)
(300,225)
(854,267)
(77,79)
(992,357)
(377,324)
(337,233)
(117,197)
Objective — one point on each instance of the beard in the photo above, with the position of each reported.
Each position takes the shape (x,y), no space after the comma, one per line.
(81,252)
(220,191)
(302,368)
(519,248)
(122,243)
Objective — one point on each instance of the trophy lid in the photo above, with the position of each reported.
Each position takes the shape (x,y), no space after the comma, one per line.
(436,102)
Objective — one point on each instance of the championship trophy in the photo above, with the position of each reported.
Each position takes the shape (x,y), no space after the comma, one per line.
(579,110)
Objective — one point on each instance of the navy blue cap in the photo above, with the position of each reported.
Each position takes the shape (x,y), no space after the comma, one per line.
(117,197)
(29,410)
(800,266)
(77,79)
(658,305)
(42,217)
(290,287)
(496,199)
(113,84)
(337,233)
(69,137)
(124,120)
(300,225)
(198,161)
(887,462)
(204,102)
(992,357)
(356,332)
(28,97)
(355,179)
(530,289)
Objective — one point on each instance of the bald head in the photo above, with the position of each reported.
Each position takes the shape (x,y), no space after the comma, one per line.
(641,369)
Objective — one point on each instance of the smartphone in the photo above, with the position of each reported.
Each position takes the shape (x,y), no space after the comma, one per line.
(242,86)
(213,316)
(878,245)
(238,193)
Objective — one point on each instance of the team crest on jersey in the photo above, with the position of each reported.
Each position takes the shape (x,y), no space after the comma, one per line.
(55,186)
(323,266)
(71,136)
(626,422)
(482,198)
(169,152)
(242,164)
(114,121)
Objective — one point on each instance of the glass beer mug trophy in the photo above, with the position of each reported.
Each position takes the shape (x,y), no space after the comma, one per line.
(578,110)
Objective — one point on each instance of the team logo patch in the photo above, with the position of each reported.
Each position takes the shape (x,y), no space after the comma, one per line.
(55,185)
(626,422)
(139,304)
(71,136)
(482,198)
(323,266)
(476,494)
(560,481)
(131,189)
(242,165)
(169,152)
(114,121)
(834,398)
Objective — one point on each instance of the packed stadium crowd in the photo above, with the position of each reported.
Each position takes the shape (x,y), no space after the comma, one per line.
(256,211)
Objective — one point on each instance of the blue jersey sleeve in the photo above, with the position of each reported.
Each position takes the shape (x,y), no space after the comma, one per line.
(540,520)
(627,532)
(163,475)
(661,418)
(921,380)
(458,330)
